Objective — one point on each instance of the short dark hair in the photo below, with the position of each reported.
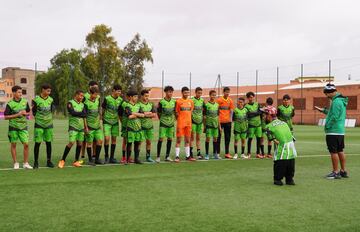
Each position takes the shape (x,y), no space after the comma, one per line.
(269,101)
(144,91)
(287,97)
(241,99)
(15,88)
(198,89)
(45,86)
(116,87)
(92,83)
(131,93)
(211,92)
(226,89)
(183,89)
(93,89)
(77,92)
(250,94)
(168,88)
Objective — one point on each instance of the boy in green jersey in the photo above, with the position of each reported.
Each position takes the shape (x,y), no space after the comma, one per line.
(147,126)
(87,96)
(16,111)
(286,111)
(211,124)
(77,127)
(254,123)
(94,132)
(111,107)
(285,153)
(240,127)
(197,122)
(134,132)
(124,120)
(42,109)
(166,114)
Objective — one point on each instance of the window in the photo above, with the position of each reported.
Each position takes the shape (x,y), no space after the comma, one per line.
(24,91)
(2,93)
(7,95)
(321,102)
(352,104)
(2,104)
(23,80)
(299,103)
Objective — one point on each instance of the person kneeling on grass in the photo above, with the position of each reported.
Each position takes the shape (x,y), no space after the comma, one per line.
(77,126)
(134,132)
(285,153)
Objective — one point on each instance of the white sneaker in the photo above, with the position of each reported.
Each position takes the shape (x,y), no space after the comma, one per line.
(27,166)
(168,159)
(243,156)
(157,160)
(16,165)
(235,156)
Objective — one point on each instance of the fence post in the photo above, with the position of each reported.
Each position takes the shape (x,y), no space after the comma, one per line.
(277,86)
(329,71)
(301,93)
(256,84)
(162,83)
(190,83)
(237,86)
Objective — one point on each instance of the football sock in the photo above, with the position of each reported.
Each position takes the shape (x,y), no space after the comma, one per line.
(168,147)
(112,151)
(159,144)
(66,152)
(187,152)
(177,151)
(207,148)
(77,153)
(36,152)
(88,150)
(106,147)
(48,150)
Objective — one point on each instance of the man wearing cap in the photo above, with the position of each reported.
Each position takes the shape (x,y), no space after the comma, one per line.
(335,130)
(284,157)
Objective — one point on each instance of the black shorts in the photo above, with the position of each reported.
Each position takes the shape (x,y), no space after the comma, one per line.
(335,143)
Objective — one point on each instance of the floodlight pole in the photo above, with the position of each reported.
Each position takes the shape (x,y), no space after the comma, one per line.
(162,83)
(256,85)
(301,92)
(277,86)
(237,85)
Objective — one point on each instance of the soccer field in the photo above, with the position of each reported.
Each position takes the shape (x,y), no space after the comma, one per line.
(200,196)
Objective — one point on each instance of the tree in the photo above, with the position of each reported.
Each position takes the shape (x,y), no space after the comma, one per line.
(135,54)
(102,58)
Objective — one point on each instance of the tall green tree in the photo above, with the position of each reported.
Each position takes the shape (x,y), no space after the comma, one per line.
(135,54)
(102,58)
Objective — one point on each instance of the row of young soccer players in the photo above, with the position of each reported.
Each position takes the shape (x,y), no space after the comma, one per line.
(193,117)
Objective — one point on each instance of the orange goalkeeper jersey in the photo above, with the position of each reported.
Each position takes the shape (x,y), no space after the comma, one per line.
(225,107)
(184,108)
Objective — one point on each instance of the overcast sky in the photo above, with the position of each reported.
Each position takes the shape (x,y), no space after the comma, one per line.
(203,37)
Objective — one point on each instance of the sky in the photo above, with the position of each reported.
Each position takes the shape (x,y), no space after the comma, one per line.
(201,37)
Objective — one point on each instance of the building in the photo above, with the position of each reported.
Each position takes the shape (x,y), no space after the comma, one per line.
(16,76)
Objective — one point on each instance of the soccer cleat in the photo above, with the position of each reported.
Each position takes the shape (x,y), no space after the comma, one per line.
(36,165)
(61,164)
(168,159)
(77,164)
(49,164)
(278,182)
(217,157)
(258,156)
(137,161)
(344,174)
(80,161)
(200,157)
(235,156)
(16,166)
(190,158)
(91,163)
(333,175)
(269,156)
(123,160)
(177,159)
(207,157)
(249,156)
(157,160)
(292,182)
(106,161)
(113,161)
(130,160)
(99,161)
(243,156)
(27,166)
(228,156)
(149,160)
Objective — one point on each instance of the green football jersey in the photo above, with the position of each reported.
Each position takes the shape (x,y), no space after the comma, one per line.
(211,111)
(92,113)
(253,108)
(147,123)
(240,120)
(76,121)
(14,107)
(286,114)
(166,110)
(87,96)
(111,109)
(124,118)
(197,113)
(280,131)
(42,110)
(133,124)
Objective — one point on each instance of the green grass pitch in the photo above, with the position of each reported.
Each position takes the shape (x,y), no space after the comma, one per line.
(200,196)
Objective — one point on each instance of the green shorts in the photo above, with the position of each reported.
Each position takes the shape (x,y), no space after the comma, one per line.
(255,132)
(123,130)
(239,136)
(16,135)
(197,128)
(76,136)
(148,134)
(111,130)
(94,135)
(212,132)
(41,134)
(166,132)
(133,136)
